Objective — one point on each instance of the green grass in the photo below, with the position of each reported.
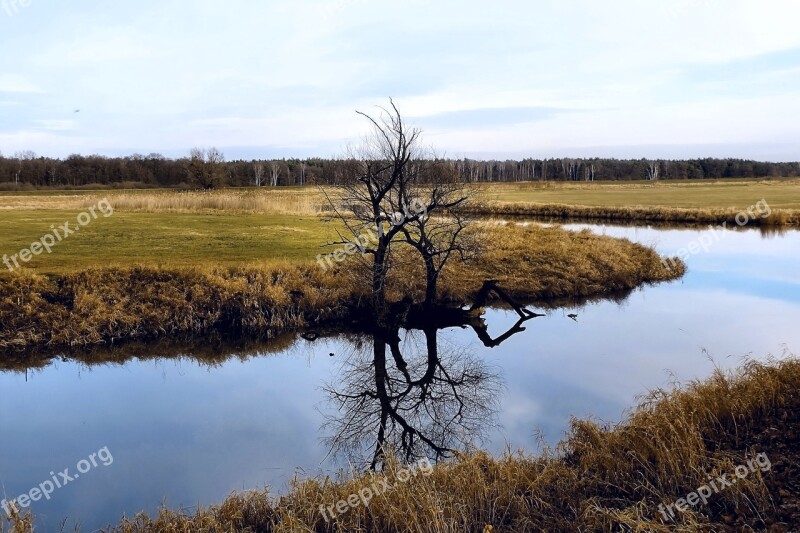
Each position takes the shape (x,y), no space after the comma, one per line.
(208,237)
(782,194)
(168,239)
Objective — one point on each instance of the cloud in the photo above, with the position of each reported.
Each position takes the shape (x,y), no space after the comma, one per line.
(486,117)
(546,77)
(56,125)
(15,83)
(106,45)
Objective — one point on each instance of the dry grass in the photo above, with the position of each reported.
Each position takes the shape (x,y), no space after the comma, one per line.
(283,200)
(105,305)
(28,202)
(256,201)
(696,195)
(641,214)
(598,479)
(689,194)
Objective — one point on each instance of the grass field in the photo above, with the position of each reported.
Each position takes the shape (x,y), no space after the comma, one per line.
(166,239)
(244,226)
(722,194)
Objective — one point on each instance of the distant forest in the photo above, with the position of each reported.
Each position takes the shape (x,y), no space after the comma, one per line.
(207,168)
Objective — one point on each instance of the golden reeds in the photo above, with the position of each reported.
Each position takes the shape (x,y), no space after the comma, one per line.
(624,214)
(273,201)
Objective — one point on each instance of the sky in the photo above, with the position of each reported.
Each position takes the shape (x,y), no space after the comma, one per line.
(503,79)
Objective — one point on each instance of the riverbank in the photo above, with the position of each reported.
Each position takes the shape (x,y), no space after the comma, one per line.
(738,430)
(731,217)
(115,305)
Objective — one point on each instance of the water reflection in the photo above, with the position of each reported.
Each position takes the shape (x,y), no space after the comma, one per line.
(769,232)
(413,395)
(189,424)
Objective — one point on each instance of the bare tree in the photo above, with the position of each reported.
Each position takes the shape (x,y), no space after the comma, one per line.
(652,170)
(571,169)
(205,167)
(376,198)
(439,231)
(275,172)
(214,156)
(21,157)
(260,172)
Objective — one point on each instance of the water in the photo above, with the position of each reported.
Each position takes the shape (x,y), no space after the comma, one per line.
(187,433)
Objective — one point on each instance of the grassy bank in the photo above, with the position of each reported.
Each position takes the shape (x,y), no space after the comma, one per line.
(104,304)
(712,202)
(599,478)
(776,217)
(698,194)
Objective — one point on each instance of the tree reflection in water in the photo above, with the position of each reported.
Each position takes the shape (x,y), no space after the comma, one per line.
(417,395)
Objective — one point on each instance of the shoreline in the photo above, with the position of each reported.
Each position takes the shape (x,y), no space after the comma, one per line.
(113,305)
(653,471)
(584,213)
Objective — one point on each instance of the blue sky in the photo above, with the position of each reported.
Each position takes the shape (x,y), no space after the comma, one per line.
(620,78)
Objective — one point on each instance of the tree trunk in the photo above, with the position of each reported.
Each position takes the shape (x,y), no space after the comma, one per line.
(432,280)
(379,280)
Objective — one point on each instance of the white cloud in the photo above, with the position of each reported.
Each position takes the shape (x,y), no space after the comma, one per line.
(162,76)
(15,83)
(56,125)
(104,45)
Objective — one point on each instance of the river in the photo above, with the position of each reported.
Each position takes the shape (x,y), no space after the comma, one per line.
(182,432)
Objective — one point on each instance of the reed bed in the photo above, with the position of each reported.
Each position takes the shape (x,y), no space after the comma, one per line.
(778,217)
(643,184)
(31,202)
(255,201)
(293,201)
(600,478)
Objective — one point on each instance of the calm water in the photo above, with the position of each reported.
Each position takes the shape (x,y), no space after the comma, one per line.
(185,433)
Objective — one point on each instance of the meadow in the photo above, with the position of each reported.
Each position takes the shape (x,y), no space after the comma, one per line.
(699,194)
(168,228)
(248,226)
(703,202)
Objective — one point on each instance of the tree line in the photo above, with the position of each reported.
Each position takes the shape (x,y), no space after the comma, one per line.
(207,168)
